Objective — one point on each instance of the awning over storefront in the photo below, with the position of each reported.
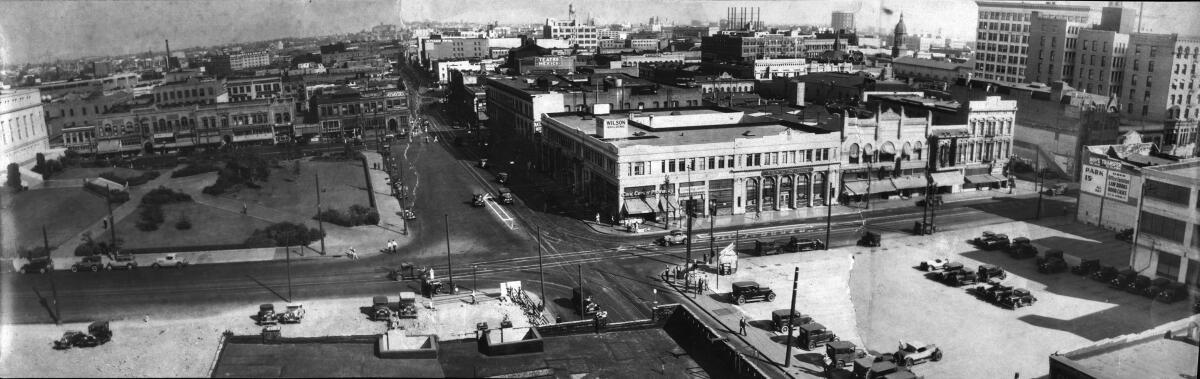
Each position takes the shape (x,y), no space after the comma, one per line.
(909,182)
(881,186)
(637,206)
(985,178)
(668,203)
(856,188)
(949,178)
(908,165)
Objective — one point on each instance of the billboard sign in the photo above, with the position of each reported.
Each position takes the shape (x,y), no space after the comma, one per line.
(1093,180)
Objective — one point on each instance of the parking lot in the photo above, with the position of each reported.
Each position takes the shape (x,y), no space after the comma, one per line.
(894,301)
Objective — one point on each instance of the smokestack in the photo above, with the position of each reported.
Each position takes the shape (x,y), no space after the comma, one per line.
(168,54)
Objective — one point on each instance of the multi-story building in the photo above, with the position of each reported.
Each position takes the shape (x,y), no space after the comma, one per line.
(253,88)
(1100,61)
(345,113)
(575,32)
(119,81)
(443,68)
(22,127)
(650,165)
(1161,72)
(457,49)
(978,151)
(748,45)
(1167,235)
(842,21)
(1002,38)
(73,110)
(930,70)
(244,61)
(155,129)
(194,90)
(1053,44)
(467,100)
(644,44)
(1111,182)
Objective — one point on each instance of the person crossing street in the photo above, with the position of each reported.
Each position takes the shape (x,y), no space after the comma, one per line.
(742,324)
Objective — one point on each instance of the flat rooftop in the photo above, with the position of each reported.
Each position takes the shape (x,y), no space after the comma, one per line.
(1183,172)
(317,360)
(685,126)
(1131,361)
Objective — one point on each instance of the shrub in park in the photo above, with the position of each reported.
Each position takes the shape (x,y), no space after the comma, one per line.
(194,169)
(284,234)
(14,176)
(41,164)
(184,223)
(163,195)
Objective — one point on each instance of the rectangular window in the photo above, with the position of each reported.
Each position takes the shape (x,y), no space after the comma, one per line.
(729,161)
(1162,226)
(1168,265)
(1167,192)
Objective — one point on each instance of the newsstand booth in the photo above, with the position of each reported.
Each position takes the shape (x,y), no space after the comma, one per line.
(727,260)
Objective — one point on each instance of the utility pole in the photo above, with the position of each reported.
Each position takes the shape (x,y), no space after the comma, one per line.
(787,357)
(1041,184)
(582,294)
(449,271)
(711,238)
(112,222)
(870,172)
(320,224)
(541,274)
(288,250)
(53,287)
(689,232)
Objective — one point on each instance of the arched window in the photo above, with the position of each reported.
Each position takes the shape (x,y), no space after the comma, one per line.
(785,192)
(818,188)
(854,153)
(751,195)
(907,152)
(887,153)
(802,188)
(162,126)
(768,200)
(869,153)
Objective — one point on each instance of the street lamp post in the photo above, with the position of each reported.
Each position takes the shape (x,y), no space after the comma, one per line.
(53,287)
(320,224)
(829,209)
(449,268)
(787,358)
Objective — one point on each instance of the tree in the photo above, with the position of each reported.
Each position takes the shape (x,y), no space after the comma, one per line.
(41,160)
(14,176)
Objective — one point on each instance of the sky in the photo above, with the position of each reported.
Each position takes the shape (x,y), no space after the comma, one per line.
(37,31)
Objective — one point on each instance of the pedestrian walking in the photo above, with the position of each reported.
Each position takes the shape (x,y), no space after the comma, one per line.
(597,217)
(742,324)
(244,208)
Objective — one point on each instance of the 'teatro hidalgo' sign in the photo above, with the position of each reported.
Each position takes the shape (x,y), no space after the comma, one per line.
(1103,177)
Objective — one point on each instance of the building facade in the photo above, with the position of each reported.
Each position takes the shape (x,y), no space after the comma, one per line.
(253,88)
(842,21)
(192,91)
(1002,37)
(74,110)
(1167,236)
(22,127)
(575,32)
(348,114)
(930,70)
(454,49)
(1052,48)
(154,129)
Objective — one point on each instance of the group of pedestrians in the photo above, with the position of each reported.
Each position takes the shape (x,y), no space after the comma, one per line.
(392,246)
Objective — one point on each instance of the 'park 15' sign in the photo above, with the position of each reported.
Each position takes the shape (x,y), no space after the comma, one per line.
(1112,184)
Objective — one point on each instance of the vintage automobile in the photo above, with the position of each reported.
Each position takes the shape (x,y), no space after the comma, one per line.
(92,263)
(675,237)
(812,335)
(1022,248)
(1157,285)
(934,201)
(505,195)
(1057,189)
(1122,279)
(994,242)
(583,302)
(483,163)
(408,214)
(266,315)
(878,367)
(125,261)
(1052,262)
(380,309)
(39,265)
(1086,267)
(795,245)
(870,239)
(911,353)
(478,199)
(1172,292)
(293,315)
(169,260)
(502,178)
(98,334)
(843,353)
(960,277)
(749,290)
(934,264)
(1104,274)
(779,319)
(1138,284)
(1125,235)
(987,271)
(947,269)
(1019,297)
(408,305)
(993,291)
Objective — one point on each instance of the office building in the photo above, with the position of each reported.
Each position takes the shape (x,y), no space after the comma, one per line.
(576,33)
(843,21)
(22,128)
(1167,236)
(1053,44)
(156,129)
(194,90)
(253,88)
(1002,36)
(346,113)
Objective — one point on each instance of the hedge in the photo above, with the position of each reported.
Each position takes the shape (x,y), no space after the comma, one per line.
(194,169)
(355,216)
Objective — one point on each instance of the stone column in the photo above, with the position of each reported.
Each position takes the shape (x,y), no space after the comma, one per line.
(777,205)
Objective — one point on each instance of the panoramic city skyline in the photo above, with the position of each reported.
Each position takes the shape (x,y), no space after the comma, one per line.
(32,32)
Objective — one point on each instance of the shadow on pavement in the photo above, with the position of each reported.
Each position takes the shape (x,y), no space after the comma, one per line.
(281,297)
(46,303)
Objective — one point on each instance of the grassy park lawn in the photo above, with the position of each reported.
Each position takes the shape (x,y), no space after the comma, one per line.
(92,172)
(343,184)
(210,226)
(64,211)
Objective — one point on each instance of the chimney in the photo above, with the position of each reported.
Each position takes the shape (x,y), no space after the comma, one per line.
(1056,91)
(168,54)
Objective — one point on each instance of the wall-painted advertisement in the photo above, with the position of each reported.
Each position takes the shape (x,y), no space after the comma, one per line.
(1118,186)
(1093,180)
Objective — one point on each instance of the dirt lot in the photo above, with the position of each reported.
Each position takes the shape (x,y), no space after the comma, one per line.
(187,347)
(894,301)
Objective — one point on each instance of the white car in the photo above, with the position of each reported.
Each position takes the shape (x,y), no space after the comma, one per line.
(170,260)
(934,264)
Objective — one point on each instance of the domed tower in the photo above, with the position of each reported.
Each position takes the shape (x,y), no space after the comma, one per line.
(898,39)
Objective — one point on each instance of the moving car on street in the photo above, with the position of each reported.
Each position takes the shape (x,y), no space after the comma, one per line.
(39,265)
(170,260)
(675,237)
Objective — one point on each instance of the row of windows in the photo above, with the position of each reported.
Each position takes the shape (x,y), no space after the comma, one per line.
(983,36)
(728,161)
(1119,48)
(1162,226)
(983,151)
(257,88)
(18,129)
(172,95)
(1004,16)
(1004,27)
(1167,192)
(82,110)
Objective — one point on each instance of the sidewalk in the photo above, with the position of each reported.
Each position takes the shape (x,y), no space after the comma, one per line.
(389,206)
(1023,189)
(64,253)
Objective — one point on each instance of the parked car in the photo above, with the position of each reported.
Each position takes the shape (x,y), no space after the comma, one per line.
(92,263)
(483,163)
(814,334)
(1022,248)
(1086,267)
(1125,235)
(1105,274)
(502,178)
(170,260)
(123,262)
(960,277)
(506,196)
(1172,292)
(1019,297)
(843,353)
(987,271)
(795,245)
(750,290)
(870,239)
(934,201)
(994,242)
(266,315)
(993,291)
(780,319)
(1156,286)
(675,237)
(911,353)
(478,199)
(876,367)
(1052,263)
(583,302)
(380,310)
(947,269)
(98,334)
(39,265)
(1122,279)
(1138,284)
(293,315)
(1057,189)
(934,264)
